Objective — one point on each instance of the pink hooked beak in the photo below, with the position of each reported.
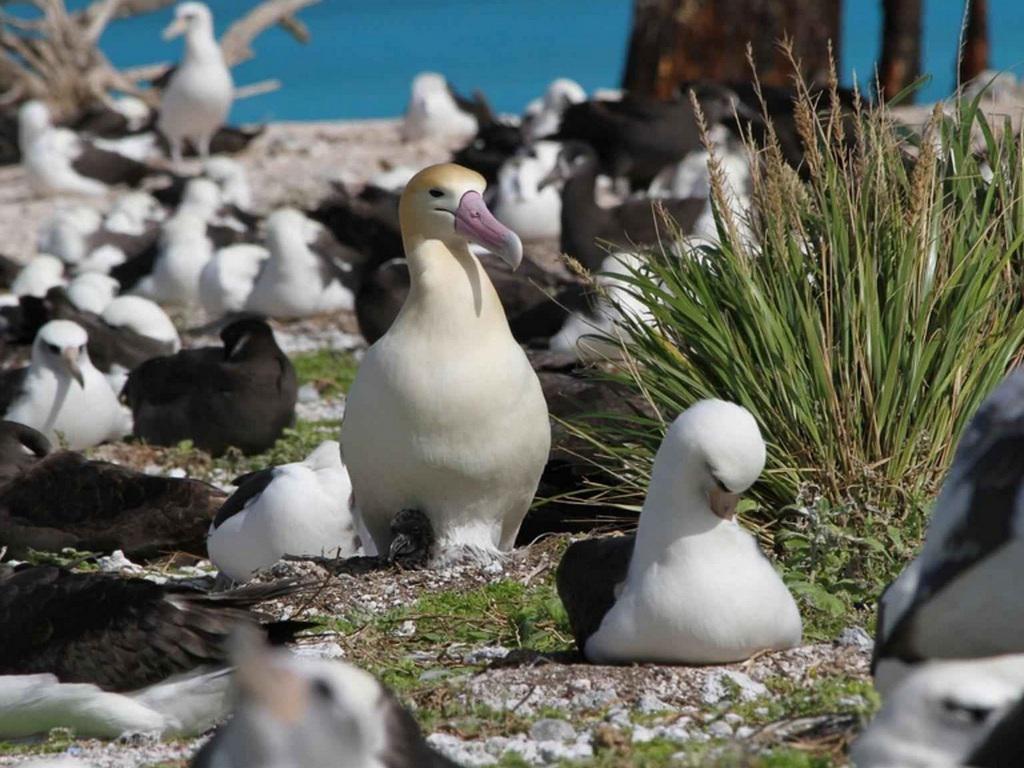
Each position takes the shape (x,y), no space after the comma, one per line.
(474,221)
(724,503)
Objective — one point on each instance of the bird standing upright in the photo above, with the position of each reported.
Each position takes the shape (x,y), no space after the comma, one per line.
(199,95)
(446,416)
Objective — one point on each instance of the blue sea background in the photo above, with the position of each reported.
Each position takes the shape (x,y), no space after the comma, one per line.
(363,53)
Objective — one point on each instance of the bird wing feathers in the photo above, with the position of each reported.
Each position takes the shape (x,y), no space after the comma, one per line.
(65,500)
(120,634)
(587,577)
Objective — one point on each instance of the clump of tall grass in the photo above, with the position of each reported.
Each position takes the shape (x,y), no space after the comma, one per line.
(862,314)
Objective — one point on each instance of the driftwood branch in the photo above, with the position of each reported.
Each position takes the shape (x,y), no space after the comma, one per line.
(124,9)
(235,43)
(257,89)
(98,22)
(140,7)
(146,73)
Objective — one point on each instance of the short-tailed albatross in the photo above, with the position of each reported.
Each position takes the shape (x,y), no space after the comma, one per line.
(446,415)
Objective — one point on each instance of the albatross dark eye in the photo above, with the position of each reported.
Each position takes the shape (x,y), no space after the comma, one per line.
(436,193)
(322,689)
(53,348)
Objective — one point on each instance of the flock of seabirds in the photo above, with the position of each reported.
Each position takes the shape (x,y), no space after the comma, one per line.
(446,435)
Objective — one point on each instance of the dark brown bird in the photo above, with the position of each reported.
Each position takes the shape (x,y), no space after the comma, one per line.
(20,448)
(241,395)
(121,634)
(577,396)
(637,137)
(589,229)
(495,142)
(66,500)
(367,222)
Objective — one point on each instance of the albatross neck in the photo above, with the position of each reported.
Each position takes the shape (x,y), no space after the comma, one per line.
(450,292)
(201,47)
(582,218)
(676,512)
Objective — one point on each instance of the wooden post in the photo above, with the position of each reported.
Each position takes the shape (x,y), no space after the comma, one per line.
(679,40)
(901,46)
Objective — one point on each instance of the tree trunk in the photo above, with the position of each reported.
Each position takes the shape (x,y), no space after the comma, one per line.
(901,46)
(674,41)
(974,59)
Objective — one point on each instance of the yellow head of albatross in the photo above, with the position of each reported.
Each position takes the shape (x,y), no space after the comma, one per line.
(445,202)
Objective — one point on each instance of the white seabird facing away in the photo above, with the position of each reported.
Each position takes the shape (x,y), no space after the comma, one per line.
(304,273)
(68,232)
(198,98)
(544,115)
(949,713)
(92,291)
(61,394)
(434,113)
(294,509)
(39,276)
(692,587)
(958,600)
(185,247)
(227,279)
(143,316)
(231,177)
(446,416)
(312,713)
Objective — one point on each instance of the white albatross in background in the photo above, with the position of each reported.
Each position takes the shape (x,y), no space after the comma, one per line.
(92,291)
(434,113)
(303,275)
(531,209)
(227,279)
(185,247)
(298,509)
(543,116)
(57,160)
(39,276)
(198,98)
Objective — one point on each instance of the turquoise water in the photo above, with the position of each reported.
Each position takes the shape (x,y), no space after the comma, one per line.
(363,53)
